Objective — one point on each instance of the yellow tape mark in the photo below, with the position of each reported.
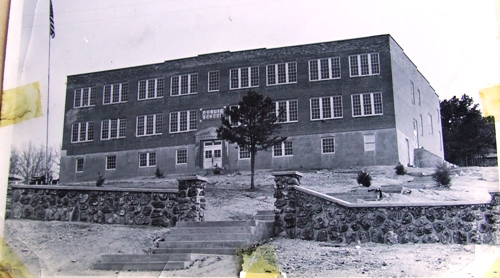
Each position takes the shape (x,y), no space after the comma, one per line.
(494,270)
(21,104)
(10,264)
(491,101)
(261,263)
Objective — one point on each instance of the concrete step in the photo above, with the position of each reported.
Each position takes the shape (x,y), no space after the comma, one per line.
(265,212)
(211,230)
(216,223)
(147,261)
(136,258)
(208,236)
(177,265)
(264,217)
(145,266)
(203,244)
(194,250)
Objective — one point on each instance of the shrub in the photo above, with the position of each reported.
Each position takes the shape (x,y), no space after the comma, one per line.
(158,173)
(442,175)
(400,169)
(217,170)
(364,178)
(100,180)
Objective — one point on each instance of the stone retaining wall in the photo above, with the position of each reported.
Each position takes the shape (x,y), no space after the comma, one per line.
(306,214)
(127,206)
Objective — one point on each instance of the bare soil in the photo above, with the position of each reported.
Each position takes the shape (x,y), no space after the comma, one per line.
(69,249)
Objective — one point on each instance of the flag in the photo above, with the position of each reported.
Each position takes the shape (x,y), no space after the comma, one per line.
(52,27)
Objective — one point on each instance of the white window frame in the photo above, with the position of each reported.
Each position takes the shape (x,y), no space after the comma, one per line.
(272,72)
(419,97)
(283,147)
(322,110)
(121,128)
(150,162)
(421,125)
(431,124)
(150,88)
(369,143)
(122,90)
(244,153)
(288,112)
(214,81)
(249,79)
(177,156)
(157,124)
(317,70)
(76,164)
(373,64)
(192,84)
(412,93)
(323,145)
(86,129)
(84,97)
(108,162)
(372,106)
(191,121)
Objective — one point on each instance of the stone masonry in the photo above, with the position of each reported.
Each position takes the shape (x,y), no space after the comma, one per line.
(126,206)
(309,215)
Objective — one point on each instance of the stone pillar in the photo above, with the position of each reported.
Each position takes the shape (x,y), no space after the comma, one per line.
(284,192)
(493,217)
(190,199)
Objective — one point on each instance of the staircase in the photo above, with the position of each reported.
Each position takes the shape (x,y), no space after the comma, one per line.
(191,241)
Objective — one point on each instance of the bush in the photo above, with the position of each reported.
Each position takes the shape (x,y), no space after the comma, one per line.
(217,170)
(442,175)
(364,178)
(158,173)
(400,169)
(100,180)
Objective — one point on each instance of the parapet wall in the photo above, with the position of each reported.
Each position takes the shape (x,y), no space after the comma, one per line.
(306,214)
(126,206)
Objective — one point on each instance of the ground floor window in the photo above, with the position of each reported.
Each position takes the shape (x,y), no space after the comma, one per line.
(147,159)
(181,156)
(244,152)
(111,162)
(369,142)
(79,164)
(283,149)
(328,145)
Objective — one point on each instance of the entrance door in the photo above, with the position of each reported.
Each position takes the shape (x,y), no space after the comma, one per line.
(212,154)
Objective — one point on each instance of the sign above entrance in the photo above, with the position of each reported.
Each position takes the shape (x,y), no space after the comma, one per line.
(211,114)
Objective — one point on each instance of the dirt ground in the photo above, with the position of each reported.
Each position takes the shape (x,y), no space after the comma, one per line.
(69,249)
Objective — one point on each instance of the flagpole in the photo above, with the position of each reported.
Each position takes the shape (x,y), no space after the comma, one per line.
(51,36)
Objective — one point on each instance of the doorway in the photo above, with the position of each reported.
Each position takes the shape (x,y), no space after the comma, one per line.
(212,154)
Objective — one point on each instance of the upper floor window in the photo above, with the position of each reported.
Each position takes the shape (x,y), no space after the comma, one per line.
(184,84)
(113,128)
(151,88)
(283,149)
(367,104)
(412,93)
(85,97)
(82,132)
(147,159)
(326,108)
(282,73)
(431,124)
(364,64)
(328,145)
(149,125)
(419,97)
(183,121)
(289,109)
(213,81)
(244,77)
(115,93)
(323,69)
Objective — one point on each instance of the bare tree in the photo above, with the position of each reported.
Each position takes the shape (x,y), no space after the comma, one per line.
(34,161)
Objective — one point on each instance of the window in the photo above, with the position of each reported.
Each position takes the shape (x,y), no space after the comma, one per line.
(151,88)
(244,77)
(115,93)
(364,64)
(244,152)
(85,97)
(419,97)
(114,128)
(184,84)
(412,93)
(328,145)
(147,159)
(289,110)
(183,121)
(326,108)
(181,157)
(282,73)
(323,69)
(437,113)
(440,141)
(369,142)
(368,104)
(82,132)
(111,162)
(213,81)
(283,149)
(431,125)
(421,125)
(149,125)
(79,164)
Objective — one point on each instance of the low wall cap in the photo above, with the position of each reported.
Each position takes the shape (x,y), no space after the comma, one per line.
(288,173)
(191,178)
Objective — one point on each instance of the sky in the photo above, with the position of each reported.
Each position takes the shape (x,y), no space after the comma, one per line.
(454,44)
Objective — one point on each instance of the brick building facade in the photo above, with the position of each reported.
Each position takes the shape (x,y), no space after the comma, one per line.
(354,102)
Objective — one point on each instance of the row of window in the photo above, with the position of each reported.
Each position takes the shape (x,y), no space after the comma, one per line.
(239,78)
(148,159)
(321,108)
